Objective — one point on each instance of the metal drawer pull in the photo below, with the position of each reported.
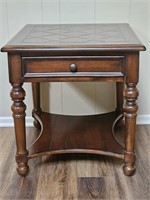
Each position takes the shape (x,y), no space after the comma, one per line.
(73,67)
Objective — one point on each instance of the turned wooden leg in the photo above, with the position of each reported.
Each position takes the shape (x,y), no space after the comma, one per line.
(130,113)
(36,102)
(120,100)
(18,108)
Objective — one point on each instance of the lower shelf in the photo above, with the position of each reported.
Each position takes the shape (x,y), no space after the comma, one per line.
(76,134)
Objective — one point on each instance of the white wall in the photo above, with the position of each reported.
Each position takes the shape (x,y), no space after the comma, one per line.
(76,98)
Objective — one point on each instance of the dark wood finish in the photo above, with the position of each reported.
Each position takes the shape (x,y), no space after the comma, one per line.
(102,37)
(76,135)
(18,109)
(54,67)
(119,97)
(83,64)
(120,102)
(36,102)
(130,108)
(85,52)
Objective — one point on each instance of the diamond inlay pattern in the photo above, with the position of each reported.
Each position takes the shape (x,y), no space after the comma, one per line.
(46,36)
(75,34)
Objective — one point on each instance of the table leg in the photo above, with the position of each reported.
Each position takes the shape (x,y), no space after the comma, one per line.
(120,99)
(36,102)
(130,113)
(18,108)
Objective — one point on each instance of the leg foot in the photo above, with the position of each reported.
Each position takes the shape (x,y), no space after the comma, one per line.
(129,169)
(23,169)
(22,161)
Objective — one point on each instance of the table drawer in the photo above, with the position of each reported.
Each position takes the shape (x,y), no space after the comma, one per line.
(72,65)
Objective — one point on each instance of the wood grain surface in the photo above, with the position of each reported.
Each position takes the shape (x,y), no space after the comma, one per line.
(77,134)
(76,36)
(72,176)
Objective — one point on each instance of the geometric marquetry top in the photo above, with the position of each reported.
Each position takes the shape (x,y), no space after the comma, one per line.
(75,36)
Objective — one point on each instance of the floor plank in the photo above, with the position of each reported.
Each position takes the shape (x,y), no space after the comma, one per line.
(74,176)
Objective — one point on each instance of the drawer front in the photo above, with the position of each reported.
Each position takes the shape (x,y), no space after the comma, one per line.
(74,65)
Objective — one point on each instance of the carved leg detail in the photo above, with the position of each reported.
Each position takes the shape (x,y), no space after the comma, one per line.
(36,103)
(18,109)
(130,113)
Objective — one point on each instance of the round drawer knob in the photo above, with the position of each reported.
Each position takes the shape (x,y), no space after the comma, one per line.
(73,68)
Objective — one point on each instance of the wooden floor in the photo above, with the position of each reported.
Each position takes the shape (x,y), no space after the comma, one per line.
(68,177)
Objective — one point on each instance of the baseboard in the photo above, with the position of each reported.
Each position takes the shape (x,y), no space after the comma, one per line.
(143,119)
(8,121)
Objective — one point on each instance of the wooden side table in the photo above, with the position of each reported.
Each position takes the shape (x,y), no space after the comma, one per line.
(83,52)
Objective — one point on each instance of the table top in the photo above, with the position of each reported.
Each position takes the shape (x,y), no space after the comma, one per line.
(75,36)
